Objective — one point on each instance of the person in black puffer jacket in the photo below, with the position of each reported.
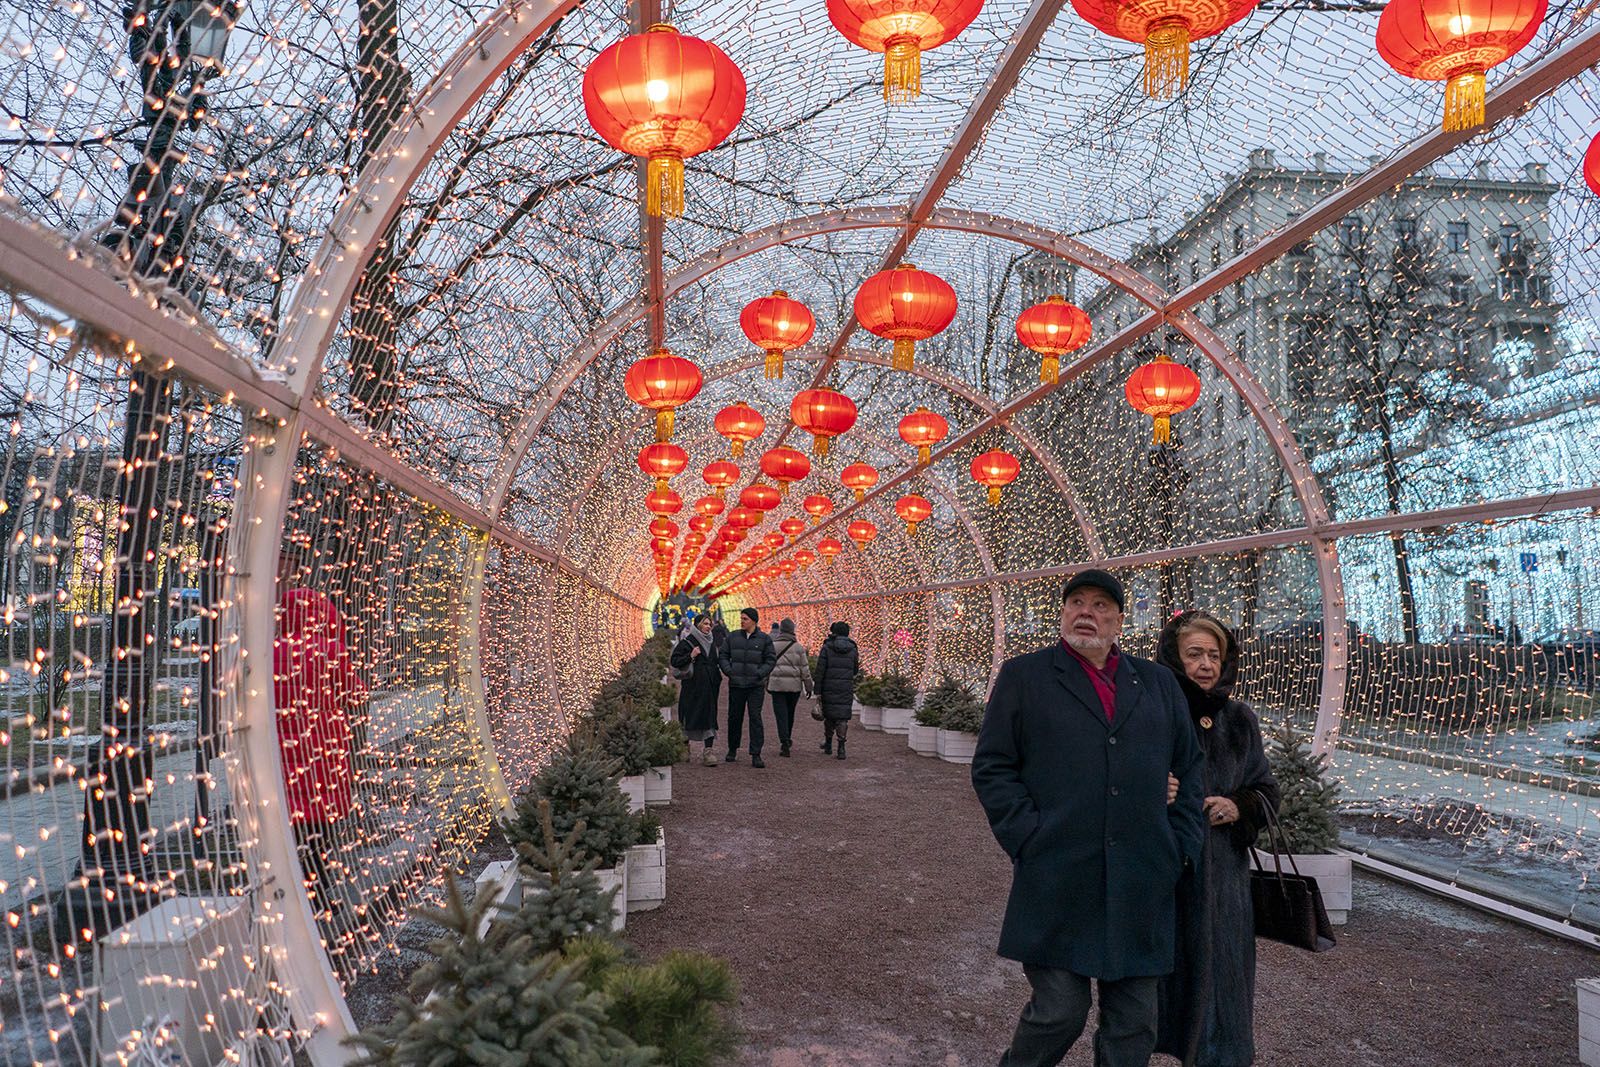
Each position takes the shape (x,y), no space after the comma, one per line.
(747,658)
(838,662)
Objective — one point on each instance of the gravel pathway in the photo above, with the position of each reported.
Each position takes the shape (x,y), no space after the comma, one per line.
(860,903)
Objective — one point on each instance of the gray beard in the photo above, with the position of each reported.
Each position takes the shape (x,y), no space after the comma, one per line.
(1087,644)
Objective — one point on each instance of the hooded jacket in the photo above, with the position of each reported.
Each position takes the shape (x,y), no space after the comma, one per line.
(837,664)
(792,672)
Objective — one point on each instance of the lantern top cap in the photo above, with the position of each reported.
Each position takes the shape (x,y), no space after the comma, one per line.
(780,292)
(907,266)
(661,27)
(1055,298)
(662,351)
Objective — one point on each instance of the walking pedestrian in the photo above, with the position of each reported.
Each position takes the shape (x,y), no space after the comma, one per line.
(1207,1002)
(838,662)
(1071,768)
(747,658)
(791,675)
(695,665)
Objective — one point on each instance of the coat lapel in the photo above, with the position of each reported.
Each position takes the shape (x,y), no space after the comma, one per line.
(1075,680)
(1130,691)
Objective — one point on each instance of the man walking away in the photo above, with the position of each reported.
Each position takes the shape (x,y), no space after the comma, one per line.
(837,665)
(790,677)
(1071,769)
(747,658)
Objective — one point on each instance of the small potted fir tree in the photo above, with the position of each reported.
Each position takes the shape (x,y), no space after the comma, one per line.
(664,746)
(585,802)
(1306,813)
(959,725)
(897,694)
(923,735)
(871,707)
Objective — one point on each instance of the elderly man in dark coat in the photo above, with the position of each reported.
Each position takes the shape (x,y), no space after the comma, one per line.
(1071,768)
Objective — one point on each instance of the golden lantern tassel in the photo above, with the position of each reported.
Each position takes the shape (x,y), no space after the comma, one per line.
(902,70)
(924,455)
(1166,59)
(774,368)
(783,487)
(663,186)
(819,445)
(994,496)
(1163,434)
(664,424)
(911,529)
(1463,100)
(722,492)
(905,350)
(738,449)
(661,485)
(1050,370)
(861,494)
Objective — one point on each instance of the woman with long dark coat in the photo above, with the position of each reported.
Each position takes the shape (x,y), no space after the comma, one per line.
(1207,1003)
(694,664)
(838,662)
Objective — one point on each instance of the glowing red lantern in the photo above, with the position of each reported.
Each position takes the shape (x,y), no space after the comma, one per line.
(785,465)
(776,324)
(902,30)
(661,461)
(787,567)
(859,477)
(922,430)
(661,547)
(773,540)
(740,423)
(995,469)
(662,382)
(793,526)
(828,548)
(1053,329)
(817,506)
(709,505)
(1162,389)
(805,557)
(664,97)
(694,539)
(743,518)
(1165,28)
(761,497)
(862,532)
(663,502)
(1456,41)
(905,305)
(720,476)
(912,510)
(1591,166)
(824,414)
(702,523)
(663,528)
(733,534)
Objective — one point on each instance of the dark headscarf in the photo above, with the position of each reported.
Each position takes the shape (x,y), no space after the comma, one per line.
(1201,701)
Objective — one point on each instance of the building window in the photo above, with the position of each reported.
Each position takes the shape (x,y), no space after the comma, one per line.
(1302,273)
(1510,242)
(1239,348)
(1301,248)
(1352,233)
(1350,285)
(1460,290)
(1513,284)
(1216,415)
(1216,256)
(1405,232)
(1455,235)
(1194,271)
(1238,294)
(1238,239)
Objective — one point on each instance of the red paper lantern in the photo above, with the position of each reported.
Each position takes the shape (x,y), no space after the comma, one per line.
(761,497)
(662,382)
(661,461)
(664,97)
(905,305)
(663,502)
(694,539)
(773,540)
(805,557)
(787,567)
(1456,42)
(828,548)
(1165,28)
(817,506)
(1162,389)
(902,30)
(1053,329)
(740,423)
(922,430)
(824,414)
(776,324)
(733,534)
(1591,166)
(663,528)
(709,505)
(661,547)
(862,532)
(793,526)
(912,510)
(785,465)
(995,469)
(744,518)
(702,523)
(720,476)
(859,477)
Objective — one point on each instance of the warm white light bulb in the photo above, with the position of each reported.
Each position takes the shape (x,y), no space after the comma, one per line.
(656,90)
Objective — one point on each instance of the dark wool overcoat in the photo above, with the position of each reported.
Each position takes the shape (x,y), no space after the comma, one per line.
(837,663)
(1207,1002)
(1080,806)
(697,694)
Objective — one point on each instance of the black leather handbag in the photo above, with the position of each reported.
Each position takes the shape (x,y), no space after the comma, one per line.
(1288,906)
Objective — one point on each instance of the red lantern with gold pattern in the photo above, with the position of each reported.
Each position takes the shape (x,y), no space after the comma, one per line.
(905,305)
(663,502)
(793,526)
(1165,28)
(902,30)
(740,423)
(1053,329)
(805,557)
(788,567)
(663,528)
(824,414)
(663,97)
(720,476)
(743,518)
(829,547)
(702,523)
(862,532)
(661,461)
(859,477)
(776,324)
(734,534)
(913,509)
(773,540)
(922,430)
(761,497)
(785,465)
(817,506)
(1162,389)
(663,382)
(995,469)
(709,505)
(1456,42)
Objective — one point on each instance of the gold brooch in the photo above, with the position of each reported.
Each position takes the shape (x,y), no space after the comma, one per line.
(1205,722)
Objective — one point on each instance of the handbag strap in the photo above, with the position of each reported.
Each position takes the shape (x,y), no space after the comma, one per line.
(1276,837)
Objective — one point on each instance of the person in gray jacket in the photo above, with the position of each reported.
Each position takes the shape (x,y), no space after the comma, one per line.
(790,676)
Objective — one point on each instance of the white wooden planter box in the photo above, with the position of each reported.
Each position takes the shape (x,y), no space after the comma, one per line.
(871,718)
(647,874)
(1333,878)
(616,878)
(503,884)
(896,720)
(923,740)
(633,786)
(1589,1022)
(954,746)
(658,786)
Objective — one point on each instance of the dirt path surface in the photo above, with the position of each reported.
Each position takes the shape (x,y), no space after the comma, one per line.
(860,903)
